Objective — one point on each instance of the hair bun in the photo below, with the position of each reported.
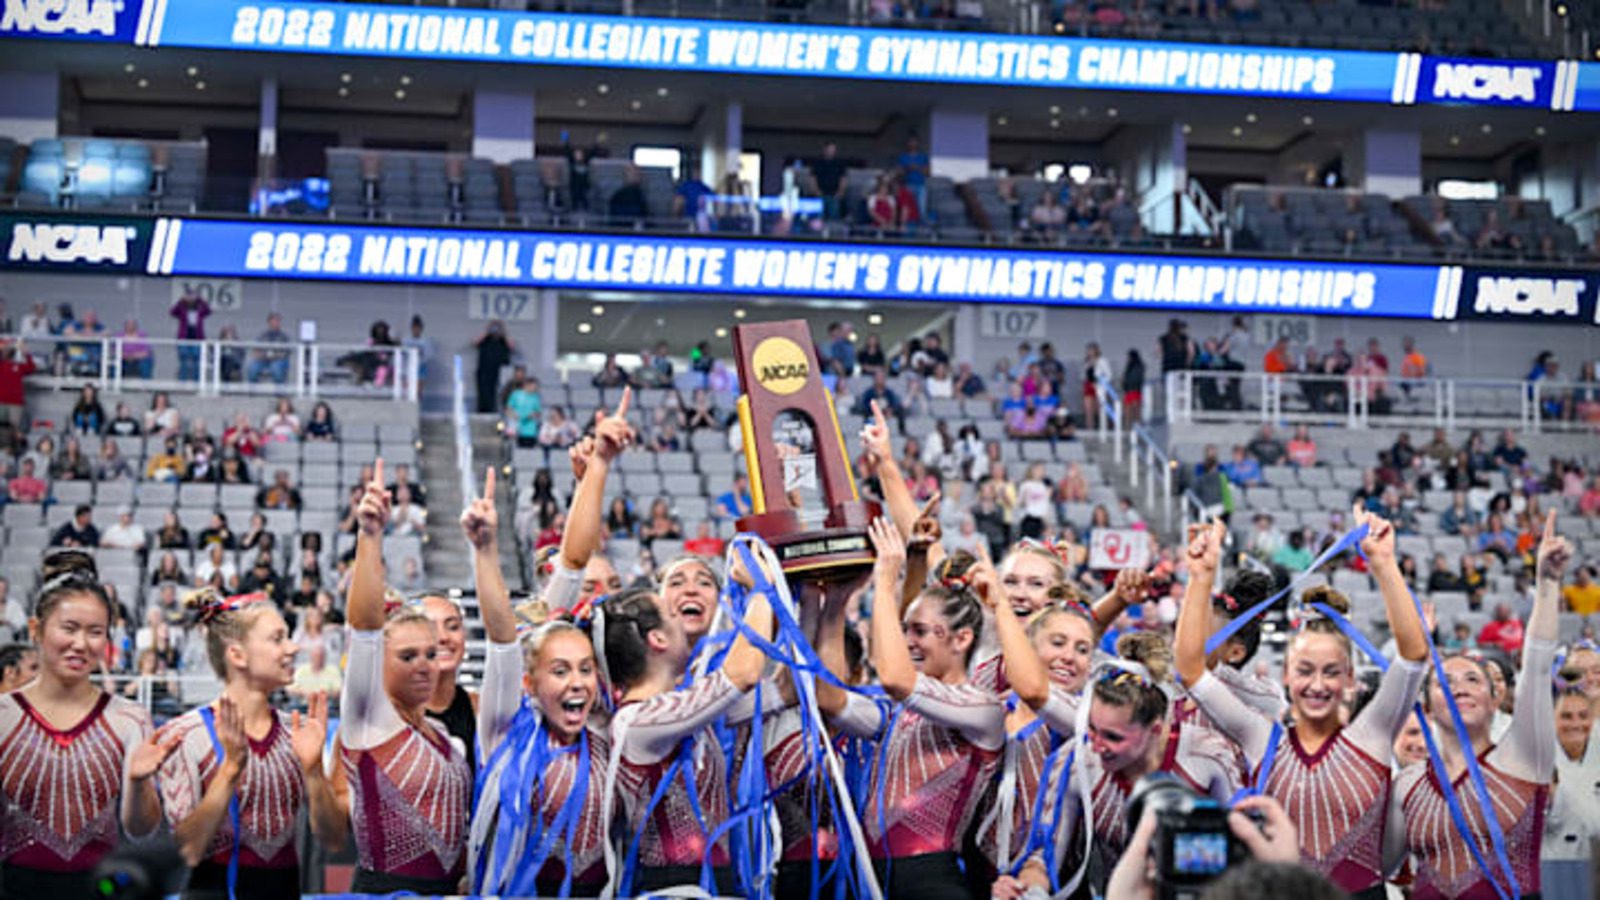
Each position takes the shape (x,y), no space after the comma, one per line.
(1328,597)
(205,604)
(1150,650)
(68,561)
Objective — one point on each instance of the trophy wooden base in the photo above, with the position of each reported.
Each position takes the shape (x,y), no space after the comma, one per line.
(837,551)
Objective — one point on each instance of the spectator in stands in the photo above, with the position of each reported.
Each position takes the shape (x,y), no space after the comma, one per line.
(126,534)
(1438,449)
(79,531)
(661,524)
(123,424)
(523,410)
(232,471)
(627,204)
(138,357)
(1444,230)
(162,419)
(70,464)
(664,437)
(1582,596)
(266,362)
(1589,502)
(882,209)
(881,394)
(1264,538)
(36,324)
(655,367)
(1242,468)
(913,166)
(1294,555)
(736,502)
(1210,483)
(1279,360)
(112,465)
(88,416)
(280,494)
(168,572)
(347,515)
(1413,364)
(1404,454)
(704,543)
(829,172)
(242,438)
(83,357)
(322,426)
(1507,455)
(217,563)
(1459,517)
(262,579)
(172,535)
(933,353)
(425,346)
(692,199)
(315,676)
(256,533)
(1504,631)
(402,476)
(200,452)
(1048,217)
(191,311)
(557,431)
(1266,448)
(494,354)
(216,534)
(702,412)
(13,612)
(14,368)
(282,425)
(840,357)
(1177,348)
(167,465)
(43,453)
(406,516)
(1498,539)
(611,375)
(1442,578)
(1096,372)
(1028,422)
(871,357)
(620,520)
(1302,449)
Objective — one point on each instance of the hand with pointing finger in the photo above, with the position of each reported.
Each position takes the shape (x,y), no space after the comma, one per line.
(1554,551)
(480,522)
(925,531)
(372,513)
(613,434)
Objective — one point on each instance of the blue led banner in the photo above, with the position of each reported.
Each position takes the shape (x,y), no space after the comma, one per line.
(354,29)
(788,268)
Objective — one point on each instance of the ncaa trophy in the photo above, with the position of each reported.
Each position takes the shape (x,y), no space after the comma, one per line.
(802,489)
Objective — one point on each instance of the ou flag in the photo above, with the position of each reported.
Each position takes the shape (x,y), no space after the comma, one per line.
(1118,548)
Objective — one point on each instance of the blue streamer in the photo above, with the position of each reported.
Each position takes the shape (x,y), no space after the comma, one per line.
(209,717)
(1351,538)
(528,751)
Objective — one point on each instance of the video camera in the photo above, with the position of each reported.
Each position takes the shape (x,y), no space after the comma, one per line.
(1193,843)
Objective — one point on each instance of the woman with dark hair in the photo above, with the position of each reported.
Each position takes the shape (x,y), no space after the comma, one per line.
(1330,774)
(71,754)
(646,652)
(947,740)
(1517,772)
(88,416)
(243,771)
(322,426)
(1230,664)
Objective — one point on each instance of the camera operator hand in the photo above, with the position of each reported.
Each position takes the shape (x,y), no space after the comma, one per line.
(1275,839)
(1131,879)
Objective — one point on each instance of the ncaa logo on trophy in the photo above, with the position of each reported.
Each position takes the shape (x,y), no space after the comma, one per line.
(802,489)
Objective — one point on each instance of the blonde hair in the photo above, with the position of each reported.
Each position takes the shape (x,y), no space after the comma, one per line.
(225,624)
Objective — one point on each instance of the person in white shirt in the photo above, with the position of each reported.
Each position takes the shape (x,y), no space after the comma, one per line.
(13,612)
(216,560)
(406,516)
(126,534)
(316,675)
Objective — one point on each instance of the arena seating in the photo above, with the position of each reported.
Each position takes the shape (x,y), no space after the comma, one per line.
(100,174)
(323,472)
(1298,497)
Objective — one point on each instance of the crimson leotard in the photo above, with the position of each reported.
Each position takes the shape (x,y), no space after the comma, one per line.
(647,737)
(409,787)
(271,792)
(1339,795)
(60,788)
(497,704)
(942,752)
(1518,773)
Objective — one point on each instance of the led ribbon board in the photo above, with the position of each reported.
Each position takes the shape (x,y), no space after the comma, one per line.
(409,32)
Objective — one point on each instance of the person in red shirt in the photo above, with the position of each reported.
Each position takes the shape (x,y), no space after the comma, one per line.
(27,488)
(1504,631)
(242,437)
(1278,361)
(704,543)
(13,369)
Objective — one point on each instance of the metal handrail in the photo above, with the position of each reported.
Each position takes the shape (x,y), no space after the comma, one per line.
(1236,396)
(303,379)
(463,429)
(1146,456)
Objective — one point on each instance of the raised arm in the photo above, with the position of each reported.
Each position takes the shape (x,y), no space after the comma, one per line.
(330,821)
(480,523)
(364,602)
(1025,671)
(890,656)
(746,662)
(1194,619)
(923,551)
(1130,587)
(582,535)
(897,497)
(1411,641)
(837,598)
(1528,751)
